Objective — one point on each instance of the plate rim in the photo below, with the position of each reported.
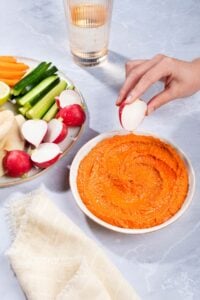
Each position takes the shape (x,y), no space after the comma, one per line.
(82,128)
(91,144)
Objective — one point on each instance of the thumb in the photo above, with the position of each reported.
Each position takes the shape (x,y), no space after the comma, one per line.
(159,100)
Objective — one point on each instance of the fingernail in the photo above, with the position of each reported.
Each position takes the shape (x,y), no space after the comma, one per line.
(118,101)
(150,110)
(128,99)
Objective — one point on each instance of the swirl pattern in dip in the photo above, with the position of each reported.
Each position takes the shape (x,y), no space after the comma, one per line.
(133,181)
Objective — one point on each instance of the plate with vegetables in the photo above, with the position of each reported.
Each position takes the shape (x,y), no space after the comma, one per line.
(42,114)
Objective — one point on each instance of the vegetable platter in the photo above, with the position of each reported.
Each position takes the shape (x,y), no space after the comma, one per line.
(42,115)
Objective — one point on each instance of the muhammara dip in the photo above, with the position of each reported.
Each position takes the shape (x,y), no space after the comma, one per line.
(133,181)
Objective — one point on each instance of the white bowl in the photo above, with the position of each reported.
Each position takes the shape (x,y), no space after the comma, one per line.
(73,183)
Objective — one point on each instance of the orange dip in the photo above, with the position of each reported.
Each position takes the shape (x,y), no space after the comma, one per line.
(133,181)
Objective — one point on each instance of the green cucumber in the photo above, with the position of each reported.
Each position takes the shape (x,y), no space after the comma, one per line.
(50,71)
(70,87)
(50,114)
(39,91)
(23,110)
(31,78)
(43,105)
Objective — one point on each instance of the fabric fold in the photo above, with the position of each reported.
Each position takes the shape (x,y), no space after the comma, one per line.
(54,260)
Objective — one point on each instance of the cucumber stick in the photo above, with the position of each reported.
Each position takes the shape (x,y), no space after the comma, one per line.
(71,87)
(23,110)
(50,114)
(43,105)
(38,91)
(47,73)
(31,78)
(50,71)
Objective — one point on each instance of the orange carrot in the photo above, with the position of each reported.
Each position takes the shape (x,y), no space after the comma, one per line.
(12,74)
(10,82)
(7,66)
(8,59)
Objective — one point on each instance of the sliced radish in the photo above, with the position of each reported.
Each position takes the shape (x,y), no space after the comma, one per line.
(56,132)
(45,155)
(68,97)
(16,163)
(72,115)
(34,131)
(131,115)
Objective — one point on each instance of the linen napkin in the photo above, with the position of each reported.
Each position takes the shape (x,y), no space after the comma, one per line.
(54,260)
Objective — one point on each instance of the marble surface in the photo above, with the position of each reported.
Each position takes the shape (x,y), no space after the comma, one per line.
(161,265)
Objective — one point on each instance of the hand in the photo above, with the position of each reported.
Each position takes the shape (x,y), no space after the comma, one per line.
(181,79)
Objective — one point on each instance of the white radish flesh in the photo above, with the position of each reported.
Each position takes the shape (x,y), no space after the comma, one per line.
(68,97)
(34,131)
(132,115)
(56,132)
(45,155)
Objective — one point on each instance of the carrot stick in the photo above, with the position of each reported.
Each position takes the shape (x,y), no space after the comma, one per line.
(11,74)
(10,82)
(8,58)
(7,66)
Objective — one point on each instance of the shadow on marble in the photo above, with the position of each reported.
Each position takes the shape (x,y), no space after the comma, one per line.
(111,72)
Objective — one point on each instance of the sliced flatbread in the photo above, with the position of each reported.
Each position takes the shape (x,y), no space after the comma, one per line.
(6,122)
(14,139)
(2,154)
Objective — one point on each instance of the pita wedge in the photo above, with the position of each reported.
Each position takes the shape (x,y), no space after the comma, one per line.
(6,122)
(14,139)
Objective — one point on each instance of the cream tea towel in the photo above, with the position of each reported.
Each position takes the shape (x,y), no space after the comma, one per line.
(54,260)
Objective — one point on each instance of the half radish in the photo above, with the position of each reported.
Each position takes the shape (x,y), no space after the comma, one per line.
(56,132)
(45,155)
(72,115)
(131,115)
(68,97)
(34,131)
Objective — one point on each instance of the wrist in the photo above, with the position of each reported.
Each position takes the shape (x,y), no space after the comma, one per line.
(196,71)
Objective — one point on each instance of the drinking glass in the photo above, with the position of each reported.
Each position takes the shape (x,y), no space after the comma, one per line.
(88,26)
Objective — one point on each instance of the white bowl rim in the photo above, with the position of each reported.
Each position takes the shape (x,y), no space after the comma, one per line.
(85,149)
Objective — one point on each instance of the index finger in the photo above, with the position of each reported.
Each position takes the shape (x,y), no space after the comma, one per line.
(134,76)
(149,78)
(131,64)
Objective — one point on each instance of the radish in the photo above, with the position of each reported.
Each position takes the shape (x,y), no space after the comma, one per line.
(34,131)
(68,97)
(16,163)
(72,115)
(56,132)
(131,115)
(45,155)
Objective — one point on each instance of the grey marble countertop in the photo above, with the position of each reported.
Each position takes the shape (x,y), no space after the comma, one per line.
(161,265)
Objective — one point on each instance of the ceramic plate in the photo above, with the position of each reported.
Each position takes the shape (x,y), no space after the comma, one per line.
(73,183)
(73,134)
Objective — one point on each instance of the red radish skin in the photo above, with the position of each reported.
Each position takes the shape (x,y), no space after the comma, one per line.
(56,132)
(16,163)
(72,115)
(62,135)
(46,155)
(120,112)
(58,102)
(47,164)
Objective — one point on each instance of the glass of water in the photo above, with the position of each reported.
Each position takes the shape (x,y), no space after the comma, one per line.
(88,27)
